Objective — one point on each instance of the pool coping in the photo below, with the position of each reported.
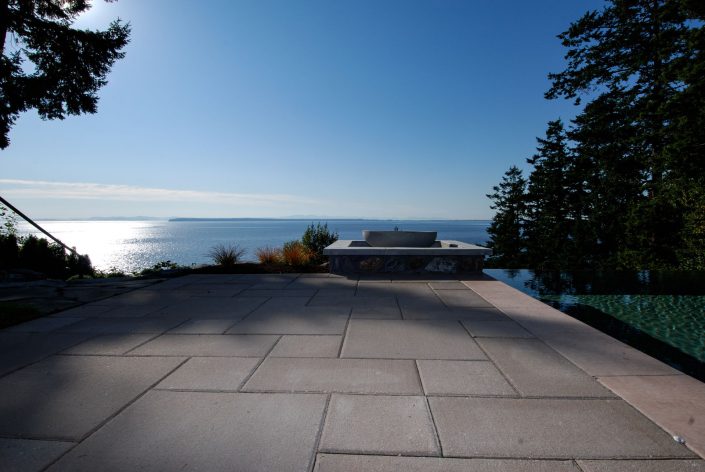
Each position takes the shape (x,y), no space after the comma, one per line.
(671,399)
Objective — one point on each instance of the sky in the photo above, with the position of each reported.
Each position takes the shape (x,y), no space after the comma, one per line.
(263,108)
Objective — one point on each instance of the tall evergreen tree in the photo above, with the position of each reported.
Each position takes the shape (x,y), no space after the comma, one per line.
(641,62)
(548,223)
(506,229)
(49,66)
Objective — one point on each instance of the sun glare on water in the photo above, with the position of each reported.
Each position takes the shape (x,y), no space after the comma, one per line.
(123,245)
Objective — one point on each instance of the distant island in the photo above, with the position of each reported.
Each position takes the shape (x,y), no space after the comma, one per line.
(319,218)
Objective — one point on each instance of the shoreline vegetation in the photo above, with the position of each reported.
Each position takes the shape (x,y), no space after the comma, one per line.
(33,258)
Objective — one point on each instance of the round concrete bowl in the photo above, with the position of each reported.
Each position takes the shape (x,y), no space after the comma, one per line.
(399,238)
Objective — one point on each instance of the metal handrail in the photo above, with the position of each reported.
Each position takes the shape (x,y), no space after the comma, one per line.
(30,221)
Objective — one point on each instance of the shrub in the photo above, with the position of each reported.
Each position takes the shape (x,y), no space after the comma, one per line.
(9,251)
(269,255)
(316,238)
(226,255)
(156,269)
(40,255)
(294,253)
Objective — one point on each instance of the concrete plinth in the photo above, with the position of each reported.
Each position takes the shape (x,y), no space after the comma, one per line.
(443,257)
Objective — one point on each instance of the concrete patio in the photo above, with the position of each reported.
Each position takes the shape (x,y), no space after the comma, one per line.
(326,373)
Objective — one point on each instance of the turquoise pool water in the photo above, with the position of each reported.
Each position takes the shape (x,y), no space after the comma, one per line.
(660,313)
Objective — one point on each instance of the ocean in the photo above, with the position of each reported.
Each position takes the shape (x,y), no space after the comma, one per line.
(134,245)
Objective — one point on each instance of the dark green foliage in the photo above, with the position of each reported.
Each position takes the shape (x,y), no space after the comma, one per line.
(50,66)
(622,187)
(316,238)
(506,229)
(548,214)
(9,251)
(39,255)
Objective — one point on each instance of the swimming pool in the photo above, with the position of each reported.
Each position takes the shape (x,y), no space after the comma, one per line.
(660,313)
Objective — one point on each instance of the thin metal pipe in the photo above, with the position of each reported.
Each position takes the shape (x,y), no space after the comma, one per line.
(30,221)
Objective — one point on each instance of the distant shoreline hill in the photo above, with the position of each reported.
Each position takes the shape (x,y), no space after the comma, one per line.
(319,218)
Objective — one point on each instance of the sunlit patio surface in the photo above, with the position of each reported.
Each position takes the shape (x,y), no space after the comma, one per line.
(327,373)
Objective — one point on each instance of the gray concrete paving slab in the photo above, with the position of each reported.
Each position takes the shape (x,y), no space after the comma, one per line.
(391,312)
(213,290)
(463,378)
(548,428)
(537,370)
(599,354)
(210,308)
(307,346)
(144,297)
(322,283)
(676,402)
(276,293)
(382,289)
(204,326)
(643,466)
(202,431)
(207,345)
(336,375)
(122,325)
(296,322)
(109,344)
(28,455)
(297,306)
(65,397)
(211,373)
(271,285)
(462,298)
(43,325)
(402,339)
(503,328)
(379,424)
(369,463)
(336,292)
(21,349)
(129,311)
(360,301)
(448,285)
(431,302)
(282,305)
(455,313)
(83,311)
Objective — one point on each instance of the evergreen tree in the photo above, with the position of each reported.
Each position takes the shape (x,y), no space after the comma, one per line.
(68,65)
(643,132)
(548,223)
(506,229)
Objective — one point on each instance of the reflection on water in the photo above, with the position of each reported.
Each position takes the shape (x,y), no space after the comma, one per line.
(124,245)
(662,313)
(136,245)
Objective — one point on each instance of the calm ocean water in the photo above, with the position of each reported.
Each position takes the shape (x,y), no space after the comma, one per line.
(134,245)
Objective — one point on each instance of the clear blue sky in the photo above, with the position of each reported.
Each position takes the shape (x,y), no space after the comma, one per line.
(349,108)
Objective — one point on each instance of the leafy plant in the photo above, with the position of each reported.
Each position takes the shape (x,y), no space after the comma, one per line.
(269,255)
(316,238)
(294,253)
(226,255)
(8,221)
